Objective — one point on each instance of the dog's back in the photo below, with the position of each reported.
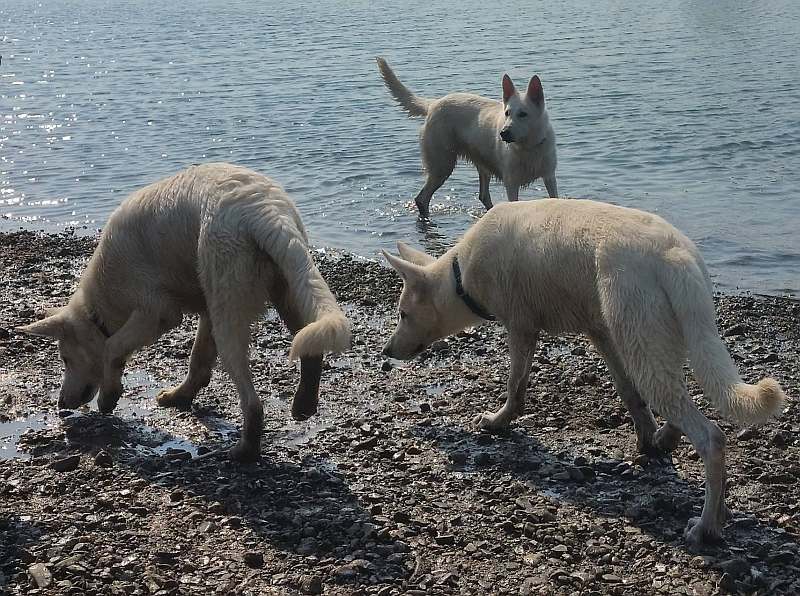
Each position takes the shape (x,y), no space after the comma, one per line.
(549,254)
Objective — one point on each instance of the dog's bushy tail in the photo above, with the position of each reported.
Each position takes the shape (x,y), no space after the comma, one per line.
(689,290)
(278,231)
(413,104)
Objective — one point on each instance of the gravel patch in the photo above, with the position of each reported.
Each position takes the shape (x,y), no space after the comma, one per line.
(389,489)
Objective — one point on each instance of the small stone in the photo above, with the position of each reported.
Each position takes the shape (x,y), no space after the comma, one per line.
(575,474)
(483,459)
(736,568)
(103,459)
(401,517)
(67,464)
(311,584)
(747,433)
(458,459)
(610,578)
(738,329)
(40,574)
(780,439)
(370,443)
(253,559)
(727,583)
(641,460)
(445,539)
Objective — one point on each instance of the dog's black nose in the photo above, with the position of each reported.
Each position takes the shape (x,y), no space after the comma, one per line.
(505,134)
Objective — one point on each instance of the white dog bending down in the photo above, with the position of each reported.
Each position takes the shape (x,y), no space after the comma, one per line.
(629,280)
(215,239)
(512,141)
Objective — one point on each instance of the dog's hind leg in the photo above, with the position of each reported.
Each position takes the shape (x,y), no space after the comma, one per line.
(512,191)
(201,363)
(646,334)
(521,347)
(141,329)
(306,398)
(483,192)
(643,421)
(439,163)
(232,336)
(552,186)
(675,403)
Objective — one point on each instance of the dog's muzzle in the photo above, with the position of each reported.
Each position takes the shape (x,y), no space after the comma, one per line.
(506,135)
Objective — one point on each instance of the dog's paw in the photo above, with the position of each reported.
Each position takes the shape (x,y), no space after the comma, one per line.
(667,438)
(697,535)
(245,452)
(108,398)
(174,398)
(304,406)
(489,421)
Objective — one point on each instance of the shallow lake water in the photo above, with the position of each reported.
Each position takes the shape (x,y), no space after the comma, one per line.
(687,109)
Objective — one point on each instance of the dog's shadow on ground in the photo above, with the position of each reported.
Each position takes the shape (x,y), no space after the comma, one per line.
(654,500)
(301,507)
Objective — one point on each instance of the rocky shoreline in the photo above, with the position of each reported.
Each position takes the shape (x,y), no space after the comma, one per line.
(388,490)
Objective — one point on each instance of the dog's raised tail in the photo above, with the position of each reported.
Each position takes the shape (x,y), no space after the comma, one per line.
(329,333)
(690,294)
(413,104)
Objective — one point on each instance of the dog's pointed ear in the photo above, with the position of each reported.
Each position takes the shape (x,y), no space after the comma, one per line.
(535,91)
(407,270)
(53,325)
(508,88)
(413,255)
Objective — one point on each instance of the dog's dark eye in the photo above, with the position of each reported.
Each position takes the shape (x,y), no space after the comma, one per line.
(522,114)
(507,112)
(403,315)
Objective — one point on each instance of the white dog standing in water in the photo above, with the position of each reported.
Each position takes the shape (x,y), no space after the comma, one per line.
(629,280)
(512,141)
(215,239)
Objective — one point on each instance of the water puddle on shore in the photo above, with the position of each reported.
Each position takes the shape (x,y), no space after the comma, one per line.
(298,434)
(137,423)
(12,431)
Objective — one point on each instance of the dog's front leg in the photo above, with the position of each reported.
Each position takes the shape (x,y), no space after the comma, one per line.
(521,347)
(139,330)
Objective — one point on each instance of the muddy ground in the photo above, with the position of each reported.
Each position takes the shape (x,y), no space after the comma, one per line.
(389,489)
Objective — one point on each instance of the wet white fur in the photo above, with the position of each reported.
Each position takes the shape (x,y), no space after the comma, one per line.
(468,126)
(629,280)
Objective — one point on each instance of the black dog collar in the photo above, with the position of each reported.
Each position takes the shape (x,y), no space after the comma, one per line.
(469,300)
